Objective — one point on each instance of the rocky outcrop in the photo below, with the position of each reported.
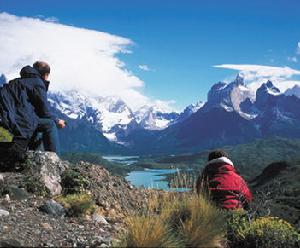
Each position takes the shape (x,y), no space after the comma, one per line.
(228,96)
(45,169)
(89,210)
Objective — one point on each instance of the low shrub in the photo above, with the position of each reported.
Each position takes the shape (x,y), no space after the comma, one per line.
(73,182)
(270,232)
(5,136)
(262,232)
(77,204)
(33,185)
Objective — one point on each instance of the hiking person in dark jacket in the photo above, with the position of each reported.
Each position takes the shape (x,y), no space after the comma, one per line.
(221,182)
(24,109)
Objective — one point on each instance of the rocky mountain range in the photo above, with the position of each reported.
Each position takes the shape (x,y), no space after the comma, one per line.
(111,115)
(233,113)
(109,119)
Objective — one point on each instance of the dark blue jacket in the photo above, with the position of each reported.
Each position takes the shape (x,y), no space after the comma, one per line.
(23,101)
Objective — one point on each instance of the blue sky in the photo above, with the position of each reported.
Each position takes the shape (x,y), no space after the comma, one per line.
(181,41)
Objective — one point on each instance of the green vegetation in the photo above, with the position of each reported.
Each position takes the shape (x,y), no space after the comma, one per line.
(73,182)
(5,136)
(253,157)
(94,158)
(249,159)
(176,220)
(262,232)
(32,185)
(189,220)
(77,204)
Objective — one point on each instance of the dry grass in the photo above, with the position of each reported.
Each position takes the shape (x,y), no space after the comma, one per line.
(77,204)
(150,231)
(176,219)
(203,225)
(184,180)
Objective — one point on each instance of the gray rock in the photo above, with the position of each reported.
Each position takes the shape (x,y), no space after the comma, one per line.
(99,219)
(16,193)
(10,243)
(3,212)
(46,167)
(104,245)
(53,208)
(1,182)
(106,241)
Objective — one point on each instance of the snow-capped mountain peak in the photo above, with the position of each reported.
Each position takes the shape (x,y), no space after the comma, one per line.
(154,117)
(270,88)
(103,112)
(193,108)
(295,91)
(239,80)
(228,96)
(110,114)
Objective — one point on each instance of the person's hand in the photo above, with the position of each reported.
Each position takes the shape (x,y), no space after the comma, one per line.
(61,123)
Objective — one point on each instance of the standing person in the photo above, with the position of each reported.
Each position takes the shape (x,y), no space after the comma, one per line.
(24,108)
(222,183)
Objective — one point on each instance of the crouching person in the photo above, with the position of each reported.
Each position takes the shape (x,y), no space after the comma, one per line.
(25,111)
(221,182)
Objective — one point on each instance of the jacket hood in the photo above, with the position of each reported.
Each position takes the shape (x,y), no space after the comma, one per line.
(221,160)
(29,72)
(220,165)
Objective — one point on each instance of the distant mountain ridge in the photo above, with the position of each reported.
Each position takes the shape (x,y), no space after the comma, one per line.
(112,116)
(232,114)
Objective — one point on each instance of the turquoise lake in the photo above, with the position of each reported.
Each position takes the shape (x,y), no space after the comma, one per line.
(124,160)
(148,178)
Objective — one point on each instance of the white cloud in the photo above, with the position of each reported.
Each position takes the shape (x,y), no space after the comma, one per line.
(298,48)
(145,67)
(255,75)
(292,59)
(80,58)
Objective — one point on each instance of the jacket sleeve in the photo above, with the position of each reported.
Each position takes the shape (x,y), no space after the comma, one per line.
(41,103)
(246,191)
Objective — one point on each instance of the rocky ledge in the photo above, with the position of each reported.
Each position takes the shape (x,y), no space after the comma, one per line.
(50,202)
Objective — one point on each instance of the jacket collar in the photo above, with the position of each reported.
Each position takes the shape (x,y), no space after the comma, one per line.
(30,72)
(221,160)
(46,82)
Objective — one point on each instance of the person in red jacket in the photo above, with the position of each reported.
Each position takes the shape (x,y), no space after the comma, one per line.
(221,182)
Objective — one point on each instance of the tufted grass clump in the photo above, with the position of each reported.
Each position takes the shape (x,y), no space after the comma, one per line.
(176,220)
(201,223)
(260,232)
(33,185)
(5,136)
(73,182)
(77,205)
(149,231)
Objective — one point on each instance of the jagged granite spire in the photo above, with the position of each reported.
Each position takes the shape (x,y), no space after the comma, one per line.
(3,79)
(239,80)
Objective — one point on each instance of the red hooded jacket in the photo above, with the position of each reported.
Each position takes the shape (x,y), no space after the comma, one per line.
(224,185)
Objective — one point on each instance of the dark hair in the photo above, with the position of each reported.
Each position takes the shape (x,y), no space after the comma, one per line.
(217,154)
(42,67)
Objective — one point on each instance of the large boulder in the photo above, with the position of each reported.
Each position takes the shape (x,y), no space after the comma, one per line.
(43,171)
